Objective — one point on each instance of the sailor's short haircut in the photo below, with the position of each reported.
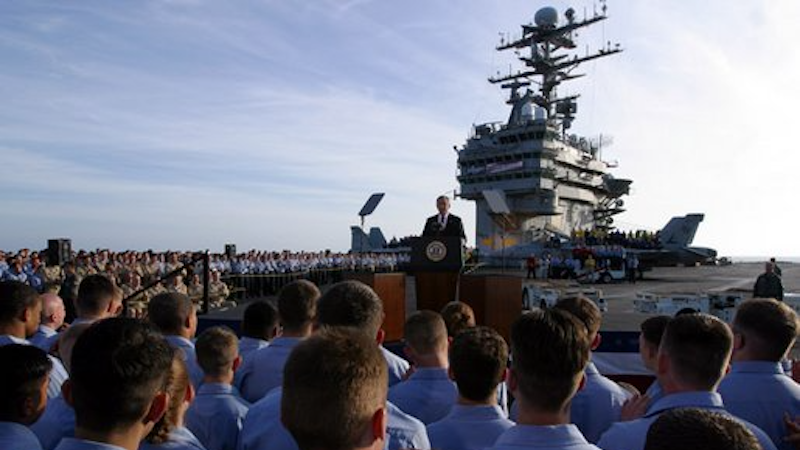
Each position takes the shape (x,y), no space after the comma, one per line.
(351,304)
(15,298)
(297,304)
(689,428)
(769,327)
(22,373)
(333,383)
(95,294)
(458,316)
(425,332)
(169,311)
(585,310)
(442,197)
(699,349)
(216,349)
(478,360)
(550,350)
(118,366)
(260,318)
(653,329)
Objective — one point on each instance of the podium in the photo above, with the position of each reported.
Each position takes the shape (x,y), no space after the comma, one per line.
(436,263)
(496,300)
(391,288)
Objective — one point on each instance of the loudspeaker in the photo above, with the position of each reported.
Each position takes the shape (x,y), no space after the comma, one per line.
(59,251)
(230,250)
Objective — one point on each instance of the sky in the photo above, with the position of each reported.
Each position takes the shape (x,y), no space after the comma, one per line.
(188,124)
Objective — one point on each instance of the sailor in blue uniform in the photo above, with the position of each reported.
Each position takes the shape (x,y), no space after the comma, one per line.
(694,353)
(478,358)
(756,389)
(216,414)
(599,403)
(550,349)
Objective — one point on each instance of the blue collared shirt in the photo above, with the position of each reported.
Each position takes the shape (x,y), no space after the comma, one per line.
(654,392)
(178,439)
(404,431)
(632,435)
(58,375)
(15,436)
(187,346)
(761,393)
(44,338)
(469,428)
(553,437)
(216,415)
(428,394)
(248,345)
(82,444)
(263,371)
(397,366)
(598,405)
(57,422)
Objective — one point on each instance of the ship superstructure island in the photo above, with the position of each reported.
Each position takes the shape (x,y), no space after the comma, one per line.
(531,179)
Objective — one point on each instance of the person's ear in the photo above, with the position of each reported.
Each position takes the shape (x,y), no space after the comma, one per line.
(188,395)
(158,407)
(512,381)
(378,424)
(237,362)
(597,339)
(27,315)
(380,336)
(29,406)
(739,342)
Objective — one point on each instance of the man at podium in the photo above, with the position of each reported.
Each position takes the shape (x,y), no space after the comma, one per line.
(444,223)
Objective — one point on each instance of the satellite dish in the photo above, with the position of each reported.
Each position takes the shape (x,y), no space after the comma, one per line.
(546,17)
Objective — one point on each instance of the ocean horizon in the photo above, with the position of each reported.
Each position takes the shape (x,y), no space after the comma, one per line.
(752,259)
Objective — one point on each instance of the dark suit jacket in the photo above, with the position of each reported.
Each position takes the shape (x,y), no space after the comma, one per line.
(454,227)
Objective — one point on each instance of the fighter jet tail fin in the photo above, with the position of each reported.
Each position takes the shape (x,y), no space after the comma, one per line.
(359,241)
(376,238)
(680,231)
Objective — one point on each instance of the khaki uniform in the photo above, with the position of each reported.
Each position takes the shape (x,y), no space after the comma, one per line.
(137,304)
(179,288)
(218,292)
(196,292)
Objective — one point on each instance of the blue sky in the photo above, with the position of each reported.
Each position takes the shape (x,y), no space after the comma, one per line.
(190,123)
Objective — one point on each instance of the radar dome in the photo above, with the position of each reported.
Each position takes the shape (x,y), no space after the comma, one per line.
(546,17)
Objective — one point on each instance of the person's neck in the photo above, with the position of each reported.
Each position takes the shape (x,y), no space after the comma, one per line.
(744,355)
(226,378)
(90,317)
(671,386)
(128,439)
(534,416)
(490,401)
(50,325)
(431,361)
(301,332)
(16,329)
